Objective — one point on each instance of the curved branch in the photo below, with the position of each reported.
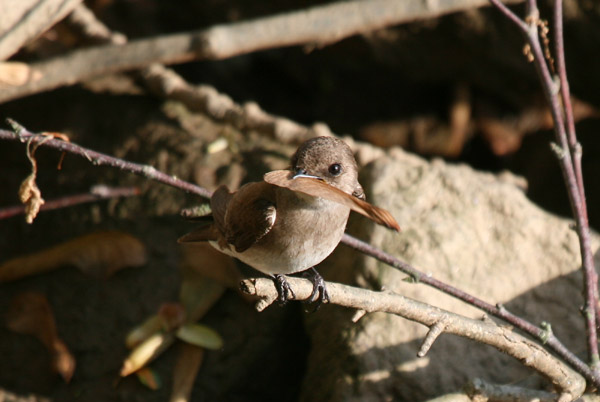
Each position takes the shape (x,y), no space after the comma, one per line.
(320,25)
(151,173)
(530,354)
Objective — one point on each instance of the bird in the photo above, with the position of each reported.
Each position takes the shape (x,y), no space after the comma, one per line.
(293,219)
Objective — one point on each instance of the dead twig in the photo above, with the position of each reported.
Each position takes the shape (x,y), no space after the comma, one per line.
(166,83)
(24,20)
(479,389)
(568,152)
(315,26)
(98,158)
(85,22)
(547,338)
(96,193)
(570,384)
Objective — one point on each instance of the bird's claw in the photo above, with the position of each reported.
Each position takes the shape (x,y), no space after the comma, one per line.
(284,290)
(319,293)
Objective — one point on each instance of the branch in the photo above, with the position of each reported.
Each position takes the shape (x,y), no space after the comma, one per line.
(84,21)
(148,171)
(99,159)
(568,152)
(530,354)
(166,83)
(483,390)
(319,25)
(96,193)
(545,336)
(25,20)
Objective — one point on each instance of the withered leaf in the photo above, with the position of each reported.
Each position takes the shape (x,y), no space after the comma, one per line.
(100,254)
(30,313)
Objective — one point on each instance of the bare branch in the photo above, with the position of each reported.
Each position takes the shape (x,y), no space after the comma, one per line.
(24,20)
(98,158)
(166,83)
(434,332)
(486,391)
(319,25)
(96,193)
(532,355)
(84,21)
(151,173)
(569,159)
(498,311)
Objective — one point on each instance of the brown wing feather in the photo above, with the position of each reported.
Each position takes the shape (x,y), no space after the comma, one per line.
(250,215)
(202,233)
(218,204)
(318,188)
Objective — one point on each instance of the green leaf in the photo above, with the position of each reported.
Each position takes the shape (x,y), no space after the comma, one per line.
(200,335)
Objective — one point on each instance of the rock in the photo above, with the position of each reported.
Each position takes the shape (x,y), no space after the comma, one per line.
(476,231)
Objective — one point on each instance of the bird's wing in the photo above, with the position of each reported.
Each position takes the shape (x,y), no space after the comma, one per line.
(219,203)
(202,233)
(318,188)
(214,222)
(250,215)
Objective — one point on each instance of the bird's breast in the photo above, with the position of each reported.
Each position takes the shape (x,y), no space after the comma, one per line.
(306,230)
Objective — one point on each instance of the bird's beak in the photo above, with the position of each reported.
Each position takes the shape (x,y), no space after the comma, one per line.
(302,173)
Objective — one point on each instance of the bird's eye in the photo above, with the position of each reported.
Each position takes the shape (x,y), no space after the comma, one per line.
(335,169)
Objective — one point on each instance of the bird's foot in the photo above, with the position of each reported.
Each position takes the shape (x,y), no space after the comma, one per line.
(284,290)
(319,293)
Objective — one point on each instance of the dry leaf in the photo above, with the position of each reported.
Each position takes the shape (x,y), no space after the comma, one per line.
(170,316)
(211,263)
(147,351)
(31,196)
(100,254)
(144,331)
(505,134)
(185,372)
(197,296)
(149,378)
(30,313)
(318,188)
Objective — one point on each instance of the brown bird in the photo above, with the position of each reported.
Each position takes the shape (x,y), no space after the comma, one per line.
(295,218)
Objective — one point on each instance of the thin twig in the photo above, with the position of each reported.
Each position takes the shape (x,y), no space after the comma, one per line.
(531,354)
(98,158)
(499,311)
(549,339)
(23,21)
(569,155)
(96,193)
(320,25)
(574,145)
(499,393)
(565,92)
